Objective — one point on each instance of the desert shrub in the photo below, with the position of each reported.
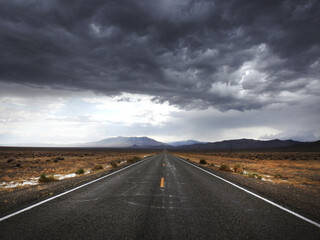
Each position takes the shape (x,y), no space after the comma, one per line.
(136,158)
(18,165)
(250,175)
(202,161)
(114,164)
(254,175)
(59,158)
(97,167)
(80,171)
(5,179)
(133,159)
(277,175)
(48,160)
(225,167)
(237,168)
(315,177)
(10,160)
(43,178)
(130,160)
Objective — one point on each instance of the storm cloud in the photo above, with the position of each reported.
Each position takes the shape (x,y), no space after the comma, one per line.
(229,55)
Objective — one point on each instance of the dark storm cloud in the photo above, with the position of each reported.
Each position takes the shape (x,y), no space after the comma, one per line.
(195,54)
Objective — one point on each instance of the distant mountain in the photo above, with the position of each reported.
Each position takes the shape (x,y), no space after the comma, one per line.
(227,145)
(121,142)
(184,143)
(304,147)
(242,144)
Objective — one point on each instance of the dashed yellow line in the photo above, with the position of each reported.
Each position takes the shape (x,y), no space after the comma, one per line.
(162,182)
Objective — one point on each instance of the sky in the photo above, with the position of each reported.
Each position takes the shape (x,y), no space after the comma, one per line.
(80,71)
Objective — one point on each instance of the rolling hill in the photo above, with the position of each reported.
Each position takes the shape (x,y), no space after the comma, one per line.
(124,142)
(242,144)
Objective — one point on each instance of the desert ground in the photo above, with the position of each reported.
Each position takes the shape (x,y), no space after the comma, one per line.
(300,169)
(22,167)
(30,174)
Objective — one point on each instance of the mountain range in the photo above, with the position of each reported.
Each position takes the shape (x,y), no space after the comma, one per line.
(192,145)
(124,142)
(244,144)
(227,145)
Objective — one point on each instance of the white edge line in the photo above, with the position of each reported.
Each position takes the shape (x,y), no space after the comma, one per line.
(256,195)
(69,191)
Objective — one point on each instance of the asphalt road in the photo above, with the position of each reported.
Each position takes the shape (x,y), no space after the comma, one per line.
(162,197)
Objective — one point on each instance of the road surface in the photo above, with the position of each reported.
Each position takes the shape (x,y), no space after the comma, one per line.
(162,197)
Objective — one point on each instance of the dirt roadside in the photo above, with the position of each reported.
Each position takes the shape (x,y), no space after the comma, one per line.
(303,201)
(306,202)
(24,197)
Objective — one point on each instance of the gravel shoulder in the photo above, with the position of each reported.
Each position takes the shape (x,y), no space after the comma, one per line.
(305,201)
(23,197)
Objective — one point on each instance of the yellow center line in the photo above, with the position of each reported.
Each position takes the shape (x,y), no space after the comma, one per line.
(162,182)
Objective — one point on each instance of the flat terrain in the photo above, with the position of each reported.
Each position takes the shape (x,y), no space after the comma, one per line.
(21,167)
(162,197)
(300,169)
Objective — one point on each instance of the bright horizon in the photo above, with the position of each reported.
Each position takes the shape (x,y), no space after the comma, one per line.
(38,144)
(170,70)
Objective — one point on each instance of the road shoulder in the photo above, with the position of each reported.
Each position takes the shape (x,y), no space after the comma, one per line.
(302,201)
(24,197)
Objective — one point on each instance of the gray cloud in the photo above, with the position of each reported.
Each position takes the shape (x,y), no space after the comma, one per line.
(238,55)
(298,122)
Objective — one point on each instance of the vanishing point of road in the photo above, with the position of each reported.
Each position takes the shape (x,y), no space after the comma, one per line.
(161,197)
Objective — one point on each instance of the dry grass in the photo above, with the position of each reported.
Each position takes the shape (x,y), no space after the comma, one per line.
(19,164)
(299,169)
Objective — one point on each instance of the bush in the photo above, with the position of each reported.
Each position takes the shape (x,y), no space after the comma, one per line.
(202,161)
(80,171)
(237,168)
(59,158)
(18,165)
(10,160)
(43,178)
(277,175)
(97,167)
(134,159)
(254,175)
(225,167)
(114,164)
